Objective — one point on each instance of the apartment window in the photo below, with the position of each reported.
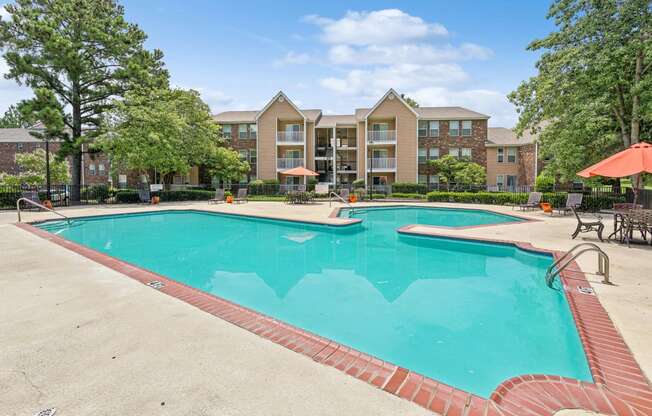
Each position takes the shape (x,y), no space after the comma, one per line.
(292,127)
(433,128)
(243,132)
(101,168)
(466,128)
(454,151)
(380,126)
(434,180)
(466,153)
(500,181)
(19,146)
(243,154)
(460,152)
(226,131)
(293,154)
(379,180)
(512,181)
(422,155)
(91,168)
(511,155)
(423,179)
(454,128)
(423,128)
(433,153)
(500,152)
(253,131)
(252,156)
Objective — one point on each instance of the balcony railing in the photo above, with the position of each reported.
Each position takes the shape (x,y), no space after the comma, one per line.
(381,163)
(289,162)
(292,137)
(346,167)
(381,137)
(327,153)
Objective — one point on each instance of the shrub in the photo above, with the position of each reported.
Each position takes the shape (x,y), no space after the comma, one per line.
(186,195)
(399,195)
(99,193)
(409,188)
(127,196)
(264,187)
(358,183)
(311,184)
(544,183)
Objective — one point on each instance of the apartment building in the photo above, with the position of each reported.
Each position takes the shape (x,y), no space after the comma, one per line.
(389,142)
(512,161)
(95,167)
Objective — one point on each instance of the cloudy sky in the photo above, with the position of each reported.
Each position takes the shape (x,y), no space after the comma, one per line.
(340,55)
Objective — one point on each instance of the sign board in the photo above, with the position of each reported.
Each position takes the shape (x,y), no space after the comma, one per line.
(155,187)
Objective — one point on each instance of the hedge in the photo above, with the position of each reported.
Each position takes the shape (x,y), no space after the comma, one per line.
(127,196)
(400,195)
(186,195)
(409,188)
(557,199)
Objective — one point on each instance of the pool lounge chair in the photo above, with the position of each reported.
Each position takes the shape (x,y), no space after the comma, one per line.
(219,197)
(533,201)
(242,196)
(584,226)
(573,201)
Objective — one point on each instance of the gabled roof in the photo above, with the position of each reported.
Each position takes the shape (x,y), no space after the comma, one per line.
(449,113)
(236,117)
(396,96)
(337,120)
(361,113)
(501,136)
(276,97)
(312,114)
(17,135)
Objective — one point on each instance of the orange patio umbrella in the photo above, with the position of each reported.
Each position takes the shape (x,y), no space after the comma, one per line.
(300,171)
(634,160)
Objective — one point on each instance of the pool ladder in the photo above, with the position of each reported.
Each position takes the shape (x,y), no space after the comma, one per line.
(333,194)
(603,262)
(36,204)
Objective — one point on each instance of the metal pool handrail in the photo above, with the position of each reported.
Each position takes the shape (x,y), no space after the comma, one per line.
(333,194)
(603,262)
(36,204)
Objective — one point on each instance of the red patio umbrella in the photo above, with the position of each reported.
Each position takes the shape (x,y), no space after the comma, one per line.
(634,160)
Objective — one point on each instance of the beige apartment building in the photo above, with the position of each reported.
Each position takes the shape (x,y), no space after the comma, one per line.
(512,161)
(389,142)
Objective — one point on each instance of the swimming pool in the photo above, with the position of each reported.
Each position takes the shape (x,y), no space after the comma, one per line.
(470,314)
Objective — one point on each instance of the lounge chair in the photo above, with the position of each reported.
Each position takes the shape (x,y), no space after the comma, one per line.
(587,226)
(219,197)
(533,201)
(573,201)
(242,196)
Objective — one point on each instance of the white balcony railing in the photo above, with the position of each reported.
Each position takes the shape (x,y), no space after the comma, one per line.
(381,137)
(381,163)
(289,162)
(292,137)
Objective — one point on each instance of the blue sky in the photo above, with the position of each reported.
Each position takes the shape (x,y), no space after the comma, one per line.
(340,55)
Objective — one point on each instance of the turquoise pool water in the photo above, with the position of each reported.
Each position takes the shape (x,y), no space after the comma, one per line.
(469,314)
(443,217)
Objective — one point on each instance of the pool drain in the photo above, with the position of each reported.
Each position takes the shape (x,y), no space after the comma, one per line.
(46,412)
(156,284)
(585,290)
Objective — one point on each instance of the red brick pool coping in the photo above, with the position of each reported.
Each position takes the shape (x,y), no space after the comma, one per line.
(519,219)
(620,387)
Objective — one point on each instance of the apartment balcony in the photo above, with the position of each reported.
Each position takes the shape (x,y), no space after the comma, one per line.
(381,137)
(346,167)
(290,137)
(284,163)
(381,164)
(324,153)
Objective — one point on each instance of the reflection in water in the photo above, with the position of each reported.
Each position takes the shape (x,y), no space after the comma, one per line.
(467,313)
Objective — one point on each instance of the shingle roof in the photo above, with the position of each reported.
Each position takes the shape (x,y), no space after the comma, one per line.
(236,117)
(335,120)
(501,136)
(449,113)
(17,136)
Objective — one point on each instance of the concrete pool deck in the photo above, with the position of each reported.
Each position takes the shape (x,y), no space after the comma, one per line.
(169,353)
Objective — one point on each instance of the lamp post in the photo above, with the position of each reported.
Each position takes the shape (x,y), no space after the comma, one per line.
(47,168)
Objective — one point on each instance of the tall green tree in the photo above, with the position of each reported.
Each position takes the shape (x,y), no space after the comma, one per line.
(86,53)
(226,164)
(33,170)
(162,130)
(12,118)
(410,101)
(592,95)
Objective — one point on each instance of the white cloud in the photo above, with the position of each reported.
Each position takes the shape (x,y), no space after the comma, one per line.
(216,99)
(493,103)
(10,92)
(377,27)
(4,14)
(292,58)
(375,82)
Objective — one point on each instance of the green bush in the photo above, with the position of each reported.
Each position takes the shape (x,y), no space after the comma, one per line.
(311,184)
(544,183)
(400,195)
(127,196)
(186,195)
(264,187)
(409,188)
(8,197)
(358,183)
(99,193)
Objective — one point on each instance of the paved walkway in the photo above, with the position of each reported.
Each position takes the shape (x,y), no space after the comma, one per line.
(84,339)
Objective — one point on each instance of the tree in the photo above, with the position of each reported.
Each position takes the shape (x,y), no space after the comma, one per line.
(469,173)
(445,167)
(13,119)
(226,164)
(411,102)
(86,53)
(162,130)
(32,170)
(592,95)
(460,171)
